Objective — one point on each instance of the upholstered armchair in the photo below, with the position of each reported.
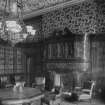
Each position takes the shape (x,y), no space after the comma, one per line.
(86,92)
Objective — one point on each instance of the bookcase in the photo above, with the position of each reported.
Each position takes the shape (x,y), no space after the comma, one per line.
(12,62)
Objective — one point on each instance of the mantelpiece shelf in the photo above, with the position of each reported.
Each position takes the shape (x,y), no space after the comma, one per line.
(72,60)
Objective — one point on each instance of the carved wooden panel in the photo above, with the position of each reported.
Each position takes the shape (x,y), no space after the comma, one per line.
(62,50)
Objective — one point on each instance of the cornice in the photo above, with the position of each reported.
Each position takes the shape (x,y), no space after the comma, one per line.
(49,9)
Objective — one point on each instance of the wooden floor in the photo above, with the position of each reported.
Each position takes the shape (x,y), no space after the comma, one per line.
(93,102)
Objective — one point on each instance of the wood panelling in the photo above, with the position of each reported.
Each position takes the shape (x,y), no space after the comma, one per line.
(98,55)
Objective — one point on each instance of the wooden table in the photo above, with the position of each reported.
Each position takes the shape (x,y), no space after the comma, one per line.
(28,95)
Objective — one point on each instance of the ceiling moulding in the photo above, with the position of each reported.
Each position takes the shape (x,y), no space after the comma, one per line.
(42,11)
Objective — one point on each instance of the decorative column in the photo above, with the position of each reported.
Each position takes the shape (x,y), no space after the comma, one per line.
(86,52)
(83,52)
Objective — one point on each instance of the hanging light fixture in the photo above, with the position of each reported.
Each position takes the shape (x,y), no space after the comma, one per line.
(12,27)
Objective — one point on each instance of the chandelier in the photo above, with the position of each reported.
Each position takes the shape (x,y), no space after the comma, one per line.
(12,27)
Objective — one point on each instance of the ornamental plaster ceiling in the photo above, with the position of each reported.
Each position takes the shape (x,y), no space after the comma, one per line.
(34,8)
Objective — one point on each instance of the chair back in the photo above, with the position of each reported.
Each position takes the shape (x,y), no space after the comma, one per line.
(89,86)
(92,87)
(20,84)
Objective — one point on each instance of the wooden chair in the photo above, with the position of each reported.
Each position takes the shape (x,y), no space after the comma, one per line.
(48,99)
(52,98)
(86,93)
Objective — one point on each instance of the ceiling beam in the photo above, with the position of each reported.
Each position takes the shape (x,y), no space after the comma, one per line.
(39,12)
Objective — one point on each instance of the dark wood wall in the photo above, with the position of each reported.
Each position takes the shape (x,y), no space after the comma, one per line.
(98,62)
(97,55)
(90,67)
(33,52)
